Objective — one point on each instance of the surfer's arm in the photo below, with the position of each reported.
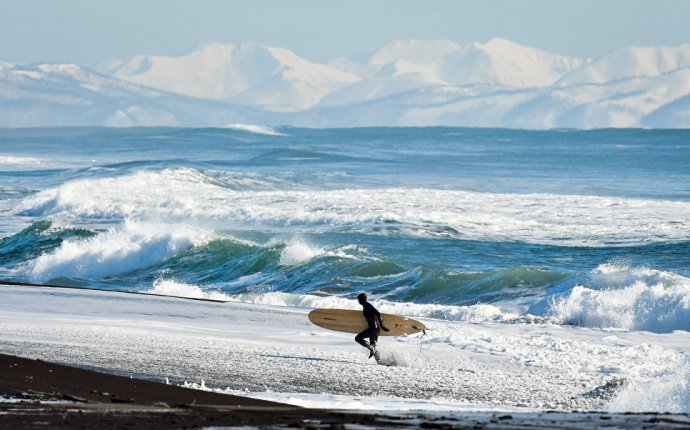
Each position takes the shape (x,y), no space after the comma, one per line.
(383,327)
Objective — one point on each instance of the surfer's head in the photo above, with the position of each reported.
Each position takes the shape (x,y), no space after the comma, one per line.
(362,298)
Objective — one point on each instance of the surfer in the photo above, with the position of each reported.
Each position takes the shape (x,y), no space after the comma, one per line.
(375,323)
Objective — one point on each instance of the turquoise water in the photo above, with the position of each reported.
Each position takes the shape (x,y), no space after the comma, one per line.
(445,216)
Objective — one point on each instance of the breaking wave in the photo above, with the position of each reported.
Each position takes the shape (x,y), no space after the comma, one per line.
(626,298)
(194,262)
(119,250)
(257,129)
(174,195)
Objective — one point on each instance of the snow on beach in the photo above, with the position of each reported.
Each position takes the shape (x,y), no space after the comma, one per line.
(274,352)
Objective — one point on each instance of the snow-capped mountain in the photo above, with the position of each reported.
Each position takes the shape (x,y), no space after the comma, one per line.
(497,62)
(66,94)
(629,63)
(671,115)
(275,79)
(406,82)
(402,66)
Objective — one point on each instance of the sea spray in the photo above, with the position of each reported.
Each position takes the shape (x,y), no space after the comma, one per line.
(396,357)
(297,251)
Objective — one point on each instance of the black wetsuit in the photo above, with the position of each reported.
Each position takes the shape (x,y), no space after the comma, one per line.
(372,332)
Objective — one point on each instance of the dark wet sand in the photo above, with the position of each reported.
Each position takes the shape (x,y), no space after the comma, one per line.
(88,399)
(35,394)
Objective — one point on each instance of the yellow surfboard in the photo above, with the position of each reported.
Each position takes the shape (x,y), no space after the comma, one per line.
(351,321)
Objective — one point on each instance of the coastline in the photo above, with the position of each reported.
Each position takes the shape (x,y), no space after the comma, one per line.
(38,394)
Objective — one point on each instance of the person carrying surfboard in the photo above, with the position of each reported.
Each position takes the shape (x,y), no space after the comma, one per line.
(375,324)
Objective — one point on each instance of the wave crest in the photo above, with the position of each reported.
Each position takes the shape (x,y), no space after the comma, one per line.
(121,250)
(297,252)
(257,129)
(629,299)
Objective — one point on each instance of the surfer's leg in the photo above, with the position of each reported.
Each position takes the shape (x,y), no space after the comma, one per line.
(373,337)
(360,339)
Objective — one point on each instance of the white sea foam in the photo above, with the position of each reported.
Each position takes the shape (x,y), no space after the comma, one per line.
(129,247)
(18,162)
(186,194)
(626,298)
(8,159)
(169,287)
(665,391)
(258,129)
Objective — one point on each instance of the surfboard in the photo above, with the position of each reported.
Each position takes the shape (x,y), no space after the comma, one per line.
(350,321)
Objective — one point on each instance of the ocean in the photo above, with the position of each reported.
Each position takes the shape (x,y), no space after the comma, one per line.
(576,228)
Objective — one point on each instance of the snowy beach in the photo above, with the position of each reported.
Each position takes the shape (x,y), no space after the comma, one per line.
(274,353)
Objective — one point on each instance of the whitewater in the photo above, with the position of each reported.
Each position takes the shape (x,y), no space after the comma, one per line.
(551,267)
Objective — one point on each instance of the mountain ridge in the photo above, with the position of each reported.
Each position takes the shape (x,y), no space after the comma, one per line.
(498,83)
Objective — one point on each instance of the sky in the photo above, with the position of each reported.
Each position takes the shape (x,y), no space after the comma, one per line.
(88,32)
